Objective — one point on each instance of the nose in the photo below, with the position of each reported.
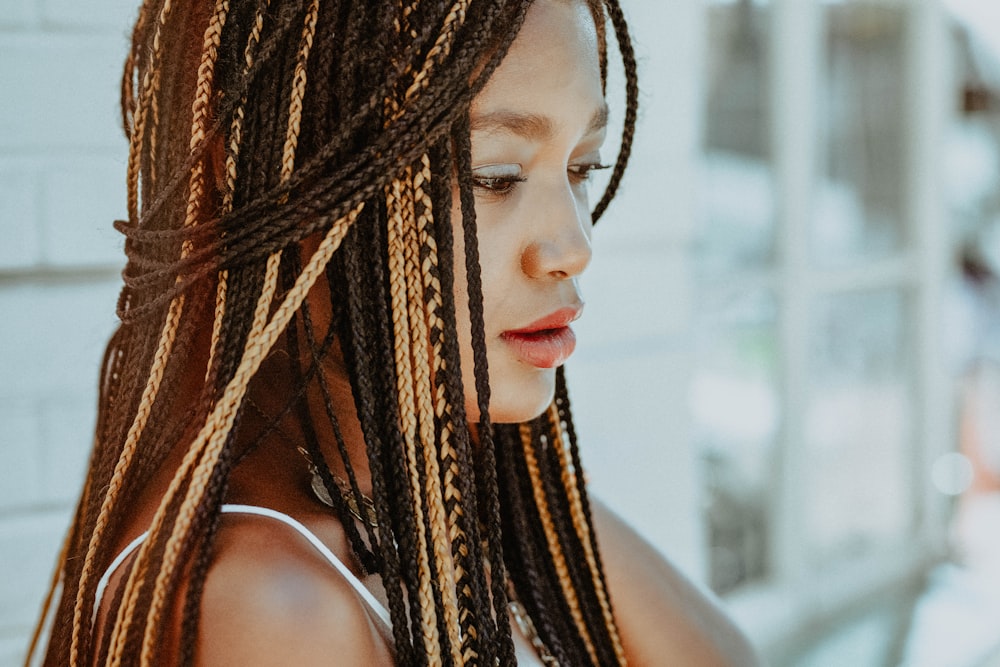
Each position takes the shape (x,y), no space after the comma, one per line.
(560,245)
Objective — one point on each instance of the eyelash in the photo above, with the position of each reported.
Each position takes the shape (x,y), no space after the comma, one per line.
(497,186)
(581,173)
(502,187)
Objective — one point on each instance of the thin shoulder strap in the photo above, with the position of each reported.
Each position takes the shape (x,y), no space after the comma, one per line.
(102,583)
(362,590)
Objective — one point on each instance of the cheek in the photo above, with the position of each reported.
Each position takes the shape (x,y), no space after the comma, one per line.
(463,320)
(517,392)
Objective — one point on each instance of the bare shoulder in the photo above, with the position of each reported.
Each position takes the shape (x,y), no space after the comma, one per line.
(271,599)
(663,617)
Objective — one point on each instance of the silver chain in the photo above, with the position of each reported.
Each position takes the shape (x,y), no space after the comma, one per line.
(527,627)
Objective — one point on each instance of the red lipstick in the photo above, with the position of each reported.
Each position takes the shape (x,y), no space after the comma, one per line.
(545,343)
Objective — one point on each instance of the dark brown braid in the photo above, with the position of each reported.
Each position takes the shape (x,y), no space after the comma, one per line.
(256,125)
(490,484)
(631,105)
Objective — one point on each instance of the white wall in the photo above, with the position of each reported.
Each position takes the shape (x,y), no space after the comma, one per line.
(61,185)
(62,164)
(629,377)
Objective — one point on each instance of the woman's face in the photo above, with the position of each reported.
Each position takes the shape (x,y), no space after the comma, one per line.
(537,130)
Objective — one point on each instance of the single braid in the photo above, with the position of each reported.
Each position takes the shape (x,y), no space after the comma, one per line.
(631,106)
(199,570)
(298,92)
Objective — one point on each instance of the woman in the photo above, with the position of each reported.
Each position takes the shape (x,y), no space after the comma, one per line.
(332,428)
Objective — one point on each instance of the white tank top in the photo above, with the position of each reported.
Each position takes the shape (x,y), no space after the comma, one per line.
(523,651)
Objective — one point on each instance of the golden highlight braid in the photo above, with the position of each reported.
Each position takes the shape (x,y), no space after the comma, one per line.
(252,126)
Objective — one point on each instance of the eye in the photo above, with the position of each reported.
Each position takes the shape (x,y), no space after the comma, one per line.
(497,180)
(580,173)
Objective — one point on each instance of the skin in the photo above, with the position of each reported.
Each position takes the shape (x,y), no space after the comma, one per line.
(269,598)
(536,133)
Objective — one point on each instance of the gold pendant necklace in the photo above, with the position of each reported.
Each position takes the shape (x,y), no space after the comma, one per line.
(319,490)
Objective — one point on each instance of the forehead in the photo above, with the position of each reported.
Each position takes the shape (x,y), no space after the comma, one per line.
(554,54)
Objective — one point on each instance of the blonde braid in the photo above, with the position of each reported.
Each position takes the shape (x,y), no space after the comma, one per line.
(150,87)
(423,389)
(163,349)
(298,92)
(570,484)
(404,387)
(440,50)
(235,141)
(239,115)
(161,356)
(57,577)
(555,548)
(442,411)
(154,110)
(200,111)
(129,101)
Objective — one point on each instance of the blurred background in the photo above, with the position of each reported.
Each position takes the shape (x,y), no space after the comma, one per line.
(788,375)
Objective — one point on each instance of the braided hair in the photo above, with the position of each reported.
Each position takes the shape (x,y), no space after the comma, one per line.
(255,125)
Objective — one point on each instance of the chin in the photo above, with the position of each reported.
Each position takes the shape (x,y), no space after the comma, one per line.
(521,400)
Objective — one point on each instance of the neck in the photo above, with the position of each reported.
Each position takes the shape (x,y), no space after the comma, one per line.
(274,412)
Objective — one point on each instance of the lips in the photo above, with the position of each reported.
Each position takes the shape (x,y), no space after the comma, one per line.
(545,343)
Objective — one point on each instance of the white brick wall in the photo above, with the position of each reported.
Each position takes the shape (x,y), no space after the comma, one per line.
(61,185)
(19,202)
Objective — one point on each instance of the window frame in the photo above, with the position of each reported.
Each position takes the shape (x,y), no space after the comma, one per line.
(783,612)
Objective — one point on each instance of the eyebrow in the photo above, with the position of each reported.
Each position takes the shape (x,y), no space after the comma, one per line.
(530,125)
